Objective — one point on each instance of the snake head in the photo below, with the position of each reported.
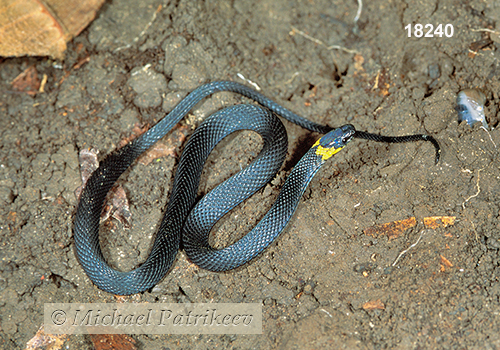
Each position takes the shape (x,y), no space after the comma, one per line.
(338,138)
(334,141)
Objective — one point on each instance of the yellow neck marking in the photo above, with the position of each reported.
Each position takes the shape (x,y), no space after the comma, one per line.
(324,152)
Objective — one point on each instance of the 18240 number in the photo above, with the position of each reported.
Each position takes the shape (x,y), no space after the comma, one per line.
(428,31)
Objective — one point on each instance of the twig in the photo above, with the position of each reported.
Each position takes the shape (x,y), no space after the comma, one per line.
(473,226)
(326,312)
(475,52)
(358,14)
(478,190)
(242,77)
(319,42)
(289,81)
(484,30)
(42,84)
(406,250)
(463,205)
(136,39)
(491,139)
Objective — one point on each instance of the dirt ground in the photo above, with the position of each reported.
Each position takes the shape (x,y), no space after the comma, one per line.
(326,282)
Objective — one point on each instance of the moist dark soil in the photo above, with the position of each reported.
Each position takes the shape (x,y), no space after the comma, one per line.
(325,282)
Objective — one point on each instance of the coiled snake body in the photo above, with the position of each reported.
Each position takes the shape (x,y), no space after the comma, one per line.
(183,221)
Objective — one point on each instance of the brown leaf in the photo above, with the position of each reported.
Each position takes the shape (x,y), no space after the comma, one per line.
(434,222)
(160,149)
(137,131)
(391,229)
(358,63)
(46,341)
(88,164)
(374,305)
(42,27)
(112,342)
(27,81)
(479,45)
(445,261)
(12,216)
(117,206)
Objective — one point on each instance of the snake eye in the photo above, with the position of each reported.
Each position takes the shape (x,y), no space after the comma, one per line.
(347,138)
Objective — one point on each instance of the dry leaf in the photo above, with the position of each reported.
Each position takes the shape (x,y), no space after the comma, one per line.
(42,27)
(117,206)
(112,342)
(88,164)
(477,46)
(391,229)
(137,131)
(27,81)
(374,305)
(46,341)
(434,222)
(445,261)
(358,63)
(161,148)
